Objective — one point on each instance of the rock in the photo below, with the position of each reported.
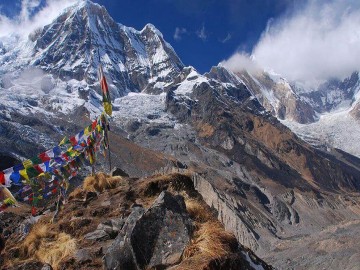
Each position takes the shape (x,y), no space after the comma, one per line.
(118,172)
(83,256)
(162,233)
(119,255)
(46,267)
(106,230)
(154,239)
(97,235)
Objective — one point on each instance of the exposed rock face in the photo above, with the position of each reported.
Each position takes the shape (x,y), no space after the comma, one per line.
(149,240)
(278,97)
(120,255)
(333,92)
(106,230)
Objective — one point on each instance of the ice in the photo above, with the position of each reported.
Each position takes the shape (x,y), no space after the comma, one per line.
(193,79)
(335,129)
(140,106)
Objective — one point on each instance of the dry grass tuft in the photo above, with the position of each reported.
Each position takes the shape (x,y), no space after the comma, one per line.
(77,194)
(33,240)
(47,246)
(101,182)
(54,252)
(153,186)
(198,211)
(210,240)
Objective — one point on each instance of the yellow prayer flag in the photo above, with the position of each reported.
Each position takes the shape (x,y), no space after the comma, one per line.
(27,164)
(24,174)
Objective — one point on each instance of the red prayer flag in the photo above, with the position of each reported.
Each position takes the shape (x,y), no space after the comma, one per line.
(2,178)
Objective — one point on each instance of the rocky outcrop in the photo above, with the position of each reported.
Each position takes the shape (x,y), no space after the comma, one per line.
(145,225)
(120,254)
(278,97)
(155,238)
(227,212)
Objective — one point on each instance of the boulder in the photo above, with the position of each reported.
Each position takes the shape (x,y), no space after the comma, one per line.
(162,233)
(119,255)
(106,230)
(83,256)
(152,239)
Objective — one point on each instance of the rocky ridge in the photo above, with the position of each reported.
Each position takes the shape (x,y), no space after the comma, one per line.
(132,224)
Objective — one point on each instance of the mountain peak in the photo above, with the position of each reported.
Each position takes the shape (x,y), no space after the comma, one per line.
(85,3)
(152,28)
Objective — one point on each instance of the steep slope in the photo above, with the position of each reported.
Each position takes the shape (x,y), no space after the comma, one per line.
(278,97)
(261,178)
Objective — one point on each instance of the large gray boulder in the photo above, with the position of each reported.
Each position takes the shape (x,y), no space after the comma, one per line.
(120,254)
(153,239)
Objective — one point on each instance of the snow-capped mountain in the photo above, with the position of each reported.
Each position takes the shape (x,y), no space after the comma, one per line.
(132,59)
(325,116)
(269,187)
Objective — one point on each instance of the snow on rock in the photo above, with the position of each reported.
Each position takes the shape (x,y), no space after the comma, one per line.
(192,79)
(142,107)
(336,129)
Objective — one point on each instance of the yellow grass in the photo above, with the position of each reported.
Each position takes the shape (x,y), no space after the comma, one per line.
(78,194)
(54,252)
(198,211)
(210,240)
(101,182)
(47,246)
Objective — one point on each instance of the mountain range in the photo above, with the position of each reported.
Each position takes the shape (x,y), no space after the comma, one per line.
(295,204)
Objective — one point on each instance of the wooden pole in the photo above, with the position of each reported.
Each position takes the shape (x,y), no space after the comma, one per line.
(106,128)
(108,143)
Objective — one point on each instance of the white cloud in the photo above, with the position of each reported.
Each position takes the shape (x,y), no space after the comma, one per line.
(26,22)
(320,41)
(27,6)
(226,39)
(241,61)
(179,32)
(201,33)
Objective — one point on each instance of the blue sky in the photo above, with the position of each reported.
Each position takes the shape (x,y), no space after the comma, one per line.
(203,32)
(302,40)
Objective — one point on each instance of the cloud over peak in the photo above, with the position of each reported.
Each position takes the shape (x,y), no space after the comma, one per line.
(318,42)
(27,21)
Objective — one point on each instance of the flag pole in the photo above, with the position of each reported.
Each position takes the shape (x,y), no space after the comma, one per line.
(107,129)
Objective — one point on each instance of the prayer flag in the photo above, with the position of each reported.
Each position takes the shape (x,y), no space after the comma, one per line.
(105,92)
